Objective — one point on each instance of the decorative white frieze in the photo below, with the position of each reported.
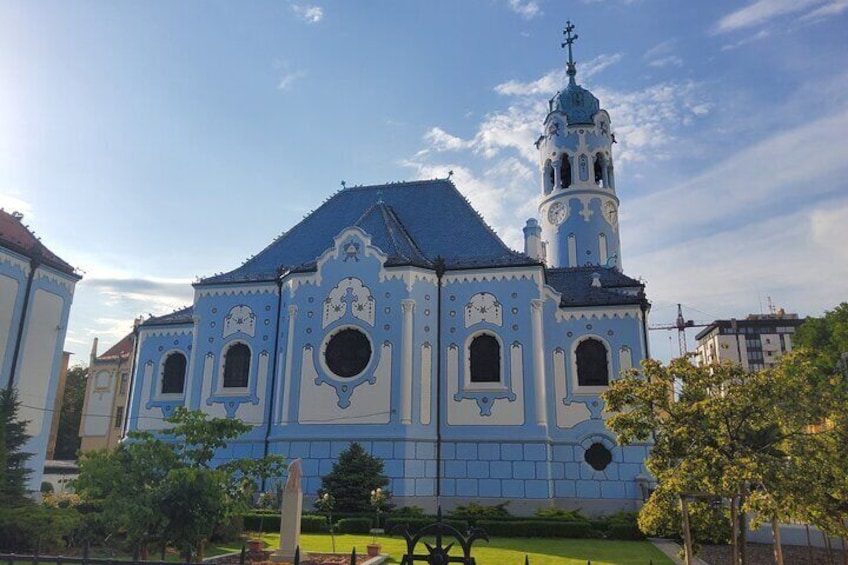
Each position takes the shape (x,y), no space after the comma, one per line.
(240,319)
(235,290)
(483,307)
(349,293)
(494,275)
(599,313)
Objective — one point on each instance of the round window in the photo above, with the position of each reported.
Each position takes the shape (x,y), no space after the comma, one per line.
(598,456)
(347,353)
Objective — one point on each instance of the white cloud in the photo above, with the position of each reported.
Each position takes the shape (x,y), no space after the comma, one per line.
(527,9)
(550,83)
(288,79)
(440,140)
(830,9)
(669,60)
(796,259)
(764,11)
(762,34)
(308,13)
(12,203)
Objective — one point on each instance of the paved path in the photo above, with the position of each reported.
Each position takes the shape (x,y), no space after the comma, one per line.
(671,549)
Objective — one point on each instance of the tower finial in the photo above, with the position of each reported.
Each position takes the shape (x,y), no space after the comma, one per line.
(571,67)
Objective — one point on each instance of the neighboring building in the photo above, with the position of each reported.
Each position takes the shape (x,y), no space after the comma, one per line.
(756,342)
(36,290)
(394,316)
(106,393)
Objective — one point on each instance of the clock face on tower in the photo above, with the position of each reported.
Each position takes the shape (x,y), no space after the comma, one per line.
(557,213)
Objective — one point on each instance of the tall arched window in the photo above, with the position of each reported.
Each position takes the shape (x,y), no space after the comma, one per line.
(173,374)
(592,363)
(236,366)
(548,178)
(565,172)
(599,169)
(485,353)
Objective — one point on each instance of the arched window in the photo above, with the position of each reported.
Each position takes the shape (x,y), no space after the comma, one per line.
(236,366)
(173,374)
(592,363)
(548,178)
(485,353)
(599,169)
(565,172)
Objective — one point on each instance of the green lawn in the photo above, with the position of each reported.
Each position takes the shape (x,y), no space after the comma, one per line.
(504,551)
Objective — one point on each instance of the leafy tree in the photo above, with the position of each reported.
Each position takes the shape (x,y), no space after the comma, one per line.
(352,479)
(163,486)
(727,433)
(828,335)
(67,435)
(14,472)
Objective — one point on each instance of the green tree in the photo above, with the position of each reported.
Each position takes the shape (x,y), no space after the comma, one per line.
(164,487)
(827,336)
(353,477)
(726,432)
(14,472)
(67,435)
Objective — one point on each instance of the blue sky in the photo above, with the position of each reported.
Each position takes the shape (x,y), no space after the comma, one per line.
(149,143)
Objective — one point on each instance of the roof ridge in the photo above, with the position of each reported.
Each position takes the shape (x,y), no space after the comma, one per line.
(389,211)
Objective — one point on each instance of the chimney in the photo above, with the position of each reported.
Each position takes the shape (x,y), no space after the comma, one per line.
(533,246)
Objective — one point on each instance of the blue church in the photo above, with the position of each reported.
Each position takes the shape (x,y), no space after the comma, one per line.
(394,316)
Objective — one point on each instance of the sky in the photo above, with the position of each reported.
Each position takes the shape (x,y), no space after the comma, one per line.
(151,143)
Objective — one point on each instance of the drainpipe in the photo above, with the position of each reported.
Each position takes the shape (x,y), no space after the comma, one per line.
(281,273)
(440,271)
(645,306)
(34,263)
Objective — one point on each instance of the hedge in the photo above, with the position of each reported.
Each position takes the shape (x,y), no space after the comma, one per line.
(354,525)
(538,529)
(413,524)
(309,523)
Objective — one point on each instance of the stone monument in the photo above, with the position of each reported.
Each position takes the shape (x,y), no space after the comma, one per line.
(290,515)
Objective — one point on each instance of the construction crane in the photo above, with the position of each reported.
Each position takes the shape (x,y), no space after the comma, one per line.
(680,324)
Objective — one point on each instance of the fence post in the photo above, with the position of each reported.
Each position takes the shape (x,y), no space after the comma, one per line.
(241,557)
(526,559)
(353,556)
(297,555)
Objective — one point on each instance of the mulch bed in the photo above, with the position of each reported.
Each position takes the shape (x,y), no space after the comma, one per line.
(263,558)
(760,554)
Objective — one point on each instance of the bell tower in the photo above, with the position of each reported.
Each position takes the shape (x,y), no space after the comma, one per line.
(578,206)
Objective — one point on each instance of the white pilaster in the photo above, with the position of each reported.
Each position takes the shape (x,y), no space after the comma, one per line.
(287,381)
(408,307)
(539,361)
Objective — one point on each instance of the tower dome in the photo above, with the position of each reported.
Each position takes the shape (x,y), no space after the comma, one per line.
(578,104)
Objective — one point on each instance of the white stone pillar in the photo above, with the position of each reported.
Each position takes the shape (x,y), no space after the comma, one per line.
(290,515)
(408,307)
(536,310)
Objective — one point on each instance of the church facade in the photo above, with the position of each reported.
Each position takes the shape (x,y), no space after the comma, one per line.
(394,316)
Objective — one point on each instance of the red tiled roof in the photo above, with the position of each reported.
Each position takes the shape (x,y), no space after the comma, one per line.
(123,348)
(17,237)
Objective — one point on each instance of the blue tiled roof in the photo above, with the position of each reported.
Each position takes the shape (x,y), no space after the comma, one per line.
(181,316)
(575,285)
(412,222)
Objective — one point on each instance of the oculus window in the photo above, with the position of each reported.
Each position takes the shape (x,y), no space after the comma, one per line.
(236,366)
(173,374)
(592,363)
(347,353)
(598,456)
(485,354)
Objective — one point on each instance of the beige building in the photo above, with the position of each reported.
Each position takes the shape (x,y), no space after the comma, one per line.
(106,394)
(756,342)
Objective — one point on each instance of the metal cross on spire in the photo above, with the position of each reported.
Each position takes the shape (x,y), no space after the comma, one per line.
(569,40)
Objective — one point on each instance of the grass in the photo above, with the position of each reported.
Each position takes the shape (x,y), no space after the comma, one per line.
(502,551)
